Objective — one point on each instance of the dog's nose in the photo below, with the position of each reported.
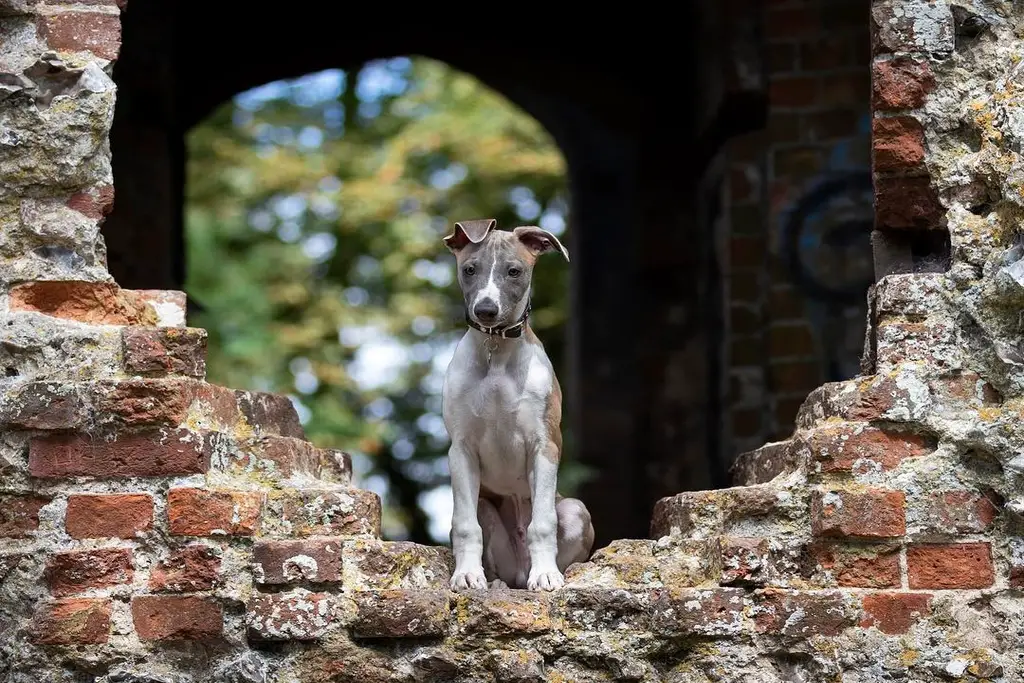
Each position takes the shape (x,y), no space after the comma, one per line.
(486,311)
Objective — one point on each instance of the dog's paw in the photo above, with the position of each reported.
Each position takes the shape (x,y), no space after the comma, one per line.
(498,584)
(465,579)
(545,580)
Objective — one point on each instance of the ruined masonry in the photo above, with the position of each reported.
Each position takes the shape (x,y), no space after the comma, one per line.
(155,528)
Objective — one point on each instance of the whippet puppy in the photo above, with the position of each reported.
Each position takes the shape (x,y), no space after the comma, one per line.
(502,407)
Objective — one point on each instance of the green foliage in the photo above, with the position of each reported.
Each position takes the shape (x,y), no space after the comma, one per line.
(315,211)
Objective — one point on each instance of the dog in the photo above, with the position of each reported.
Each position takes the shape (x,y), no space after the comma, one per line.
(502,407)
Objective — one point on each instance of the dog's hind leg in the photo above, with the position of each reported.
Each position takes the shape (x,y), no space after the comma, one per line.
(575,532)
(499,558)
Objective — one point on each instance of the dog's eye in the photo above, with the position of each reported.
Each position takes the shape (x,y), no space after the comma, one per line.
(515,272)
(468,270)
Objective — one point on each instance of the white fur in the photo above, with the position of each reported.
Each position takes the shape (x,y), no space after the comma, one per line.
(490,290)
(495,414)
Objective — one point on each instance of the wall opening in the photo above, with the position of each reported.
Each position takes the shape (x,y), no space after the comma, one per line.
(314,212)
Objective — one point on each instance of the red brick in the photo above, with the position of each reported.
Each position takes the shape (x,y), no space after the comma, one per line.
(19,514)
(201,512)
(746,251)
(795,377)
(852,567)
(165,351)
(1017,576)
(44,406)
(907,204)
(802,614)
(901,83)
(99,303)
(958,565)
(143,402)
(830,125)
(270,413)
(77,621)
(172,617)
(316,561)
(95,32)
(780,57)
(790,340)
(695,612)
(895,613)
(326,512)
(959,512)
(799,91)
(743,320)
(825,54)
(79,571)
(745,285)
(796,22)
(745,561)
(95,202)
(155,454)
(195,567)
(860,449)
(115,516)
(289,616)
(785,303)
(897,144)
(401,613)
(798,162)
(846,90)
(876,513)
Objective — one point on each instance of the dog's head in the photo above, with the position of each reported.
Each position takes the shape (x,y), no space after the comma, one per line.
(496,266)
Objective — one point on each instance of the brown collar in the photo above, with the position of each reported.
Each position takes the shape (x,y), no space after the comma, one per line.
(509,332)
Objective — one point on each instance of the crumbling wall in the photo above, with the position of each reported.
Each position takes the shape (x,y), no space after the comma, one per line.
(155,528)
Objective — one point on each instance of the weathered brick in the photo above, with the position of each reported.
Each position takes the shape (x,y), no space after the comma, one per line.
(72,621)
(19,514)
(43,405)
(79,571)
(875,513)
(297,615)
(95,32)
(98,303)
(901,83)
(142,402)
(895,613)
(175,618)
(860,448)
(912,26)
(289,457)
(379,565)
(868,566)
(958,565)
(195,567)
(307,560)
(802,614)
(169,304)
(521,666)
(270,413)
(897,144)
(322,512)
(153,454)
(745,561)
(115,516)
(697,612)
(202,512)
(907,203)
(958,512)
(603,609)
(502,612)
(400,613)
(95,202)
(767,462)
(165,351)
(622,564)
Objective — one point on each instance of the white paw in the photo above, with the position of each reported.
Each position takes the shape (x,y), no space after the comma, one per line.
(498,584)
(545,579)
(464,579)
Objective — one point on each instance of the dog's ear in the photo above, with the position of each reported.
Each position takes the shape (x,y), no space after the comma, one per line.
(467,232)
(539,241)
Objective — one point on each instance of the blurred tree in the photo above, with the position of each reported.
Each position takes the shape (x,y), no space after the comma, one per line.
(315,209)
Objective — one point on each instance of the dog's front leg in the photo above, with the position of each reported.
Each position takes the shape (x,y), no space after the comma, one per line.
(542,534)
(467,536)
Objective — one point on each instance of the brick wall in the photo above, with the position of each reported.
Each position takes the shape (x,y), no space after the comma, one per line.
(781,338)
(154,527)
